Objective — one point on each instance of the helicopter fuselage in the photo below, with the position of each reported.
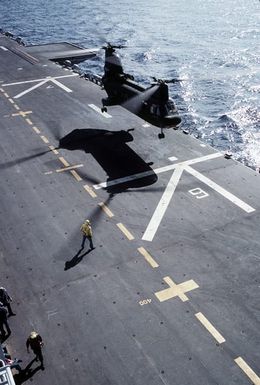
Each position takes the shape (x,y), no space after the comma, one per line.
(152,104)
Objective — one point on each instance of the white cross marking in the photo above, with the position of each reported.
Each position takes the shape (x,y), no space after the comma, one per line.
(40,83)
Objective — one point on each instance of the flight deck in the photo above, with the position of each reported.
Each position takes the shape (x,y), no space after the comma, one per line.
(170,294)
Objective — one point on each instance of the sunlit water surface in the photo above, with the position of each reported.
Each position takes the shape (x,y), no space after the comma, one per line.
(213,45)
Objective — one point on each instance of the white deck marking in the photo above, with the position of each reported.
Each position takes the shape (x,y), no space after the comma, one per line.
(40,83)
(232,198)
(38,80)
(156,171)
(170,189)
(3,48)
(97,109)
(61,85)
(30,89)
(162,205)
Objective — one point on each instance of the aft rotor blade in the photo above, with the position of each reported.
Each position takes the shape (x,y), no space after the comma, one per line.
(135,104)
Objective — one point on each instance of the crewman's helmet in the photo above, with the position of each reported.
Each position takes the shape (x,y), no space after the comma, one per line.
(33,335)
(87,221)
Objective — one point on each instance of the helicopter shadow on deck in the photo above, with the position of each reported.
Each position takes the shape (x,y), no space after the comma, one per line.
(110,150)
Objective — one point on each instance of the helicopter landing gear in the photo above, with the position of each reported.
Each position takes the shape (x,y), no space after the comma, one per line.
(103,109)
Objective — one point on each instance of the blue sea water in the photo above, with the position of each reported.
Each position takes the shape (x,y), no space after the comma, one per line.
(212,45)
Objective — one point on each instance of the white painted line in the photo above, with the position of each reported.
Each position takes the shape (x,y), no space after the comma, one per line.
(39,80)
(211,329)
(173,158)
(247,370)
(162,205)
(146,125)
(232,198)
(30,89)
(156,171)
(97,109)
(61,85)
(202,145)
(122,180)
(3,48)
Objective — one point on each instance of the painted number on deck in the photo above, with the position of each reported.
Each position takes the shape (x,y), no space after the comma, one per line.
(145,302)
(199,193)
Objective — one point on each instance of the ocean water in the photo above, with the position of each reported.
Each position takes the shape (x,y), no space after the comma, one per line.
(212,45)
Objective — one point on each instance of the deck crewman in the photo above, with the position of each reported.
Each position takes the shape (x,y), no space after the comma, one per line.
(3,321)
(87,233)
(34,341)
(6,300)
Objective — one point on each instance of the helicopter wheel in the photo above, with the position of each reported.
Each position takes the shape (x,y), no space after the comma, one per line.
(103,109)
(161,135)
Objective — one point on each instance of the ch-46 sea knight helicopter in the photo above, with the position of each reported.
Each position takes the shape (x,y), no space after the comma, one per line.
(151,104)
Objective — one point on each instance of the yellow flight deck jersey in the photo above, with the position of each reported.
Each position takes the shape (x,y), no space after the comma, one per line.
(86,229)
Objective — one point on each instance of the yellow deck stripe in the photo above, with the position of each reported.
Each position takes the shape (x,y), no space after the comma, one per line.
(106,209)
(213,331)
(247,370)
(148,257)
(44,139)
(90,191)
(125,231)
(36,129)
(76,175)
(53,149)
(66,164)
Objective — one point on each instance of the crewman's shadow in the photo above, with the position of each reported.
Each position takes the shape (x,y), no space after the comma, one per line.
(76,259)
(26,373)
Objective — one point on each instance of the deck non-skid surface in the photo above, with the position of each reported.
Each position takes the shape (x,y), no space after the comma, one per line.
(170,294)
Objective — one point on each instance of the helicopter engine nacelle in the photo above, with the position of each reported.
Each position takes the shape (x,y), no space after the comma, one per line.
(113,66)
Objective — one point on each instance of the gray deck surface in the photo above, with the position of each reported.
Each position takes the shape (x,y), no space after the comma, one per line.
(197,223)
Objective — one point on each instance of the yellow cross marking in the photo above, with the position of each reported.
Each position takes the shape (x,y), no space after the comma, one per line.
(176,290)
(76,175)
(69,168)
(66,164)
(22,113)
